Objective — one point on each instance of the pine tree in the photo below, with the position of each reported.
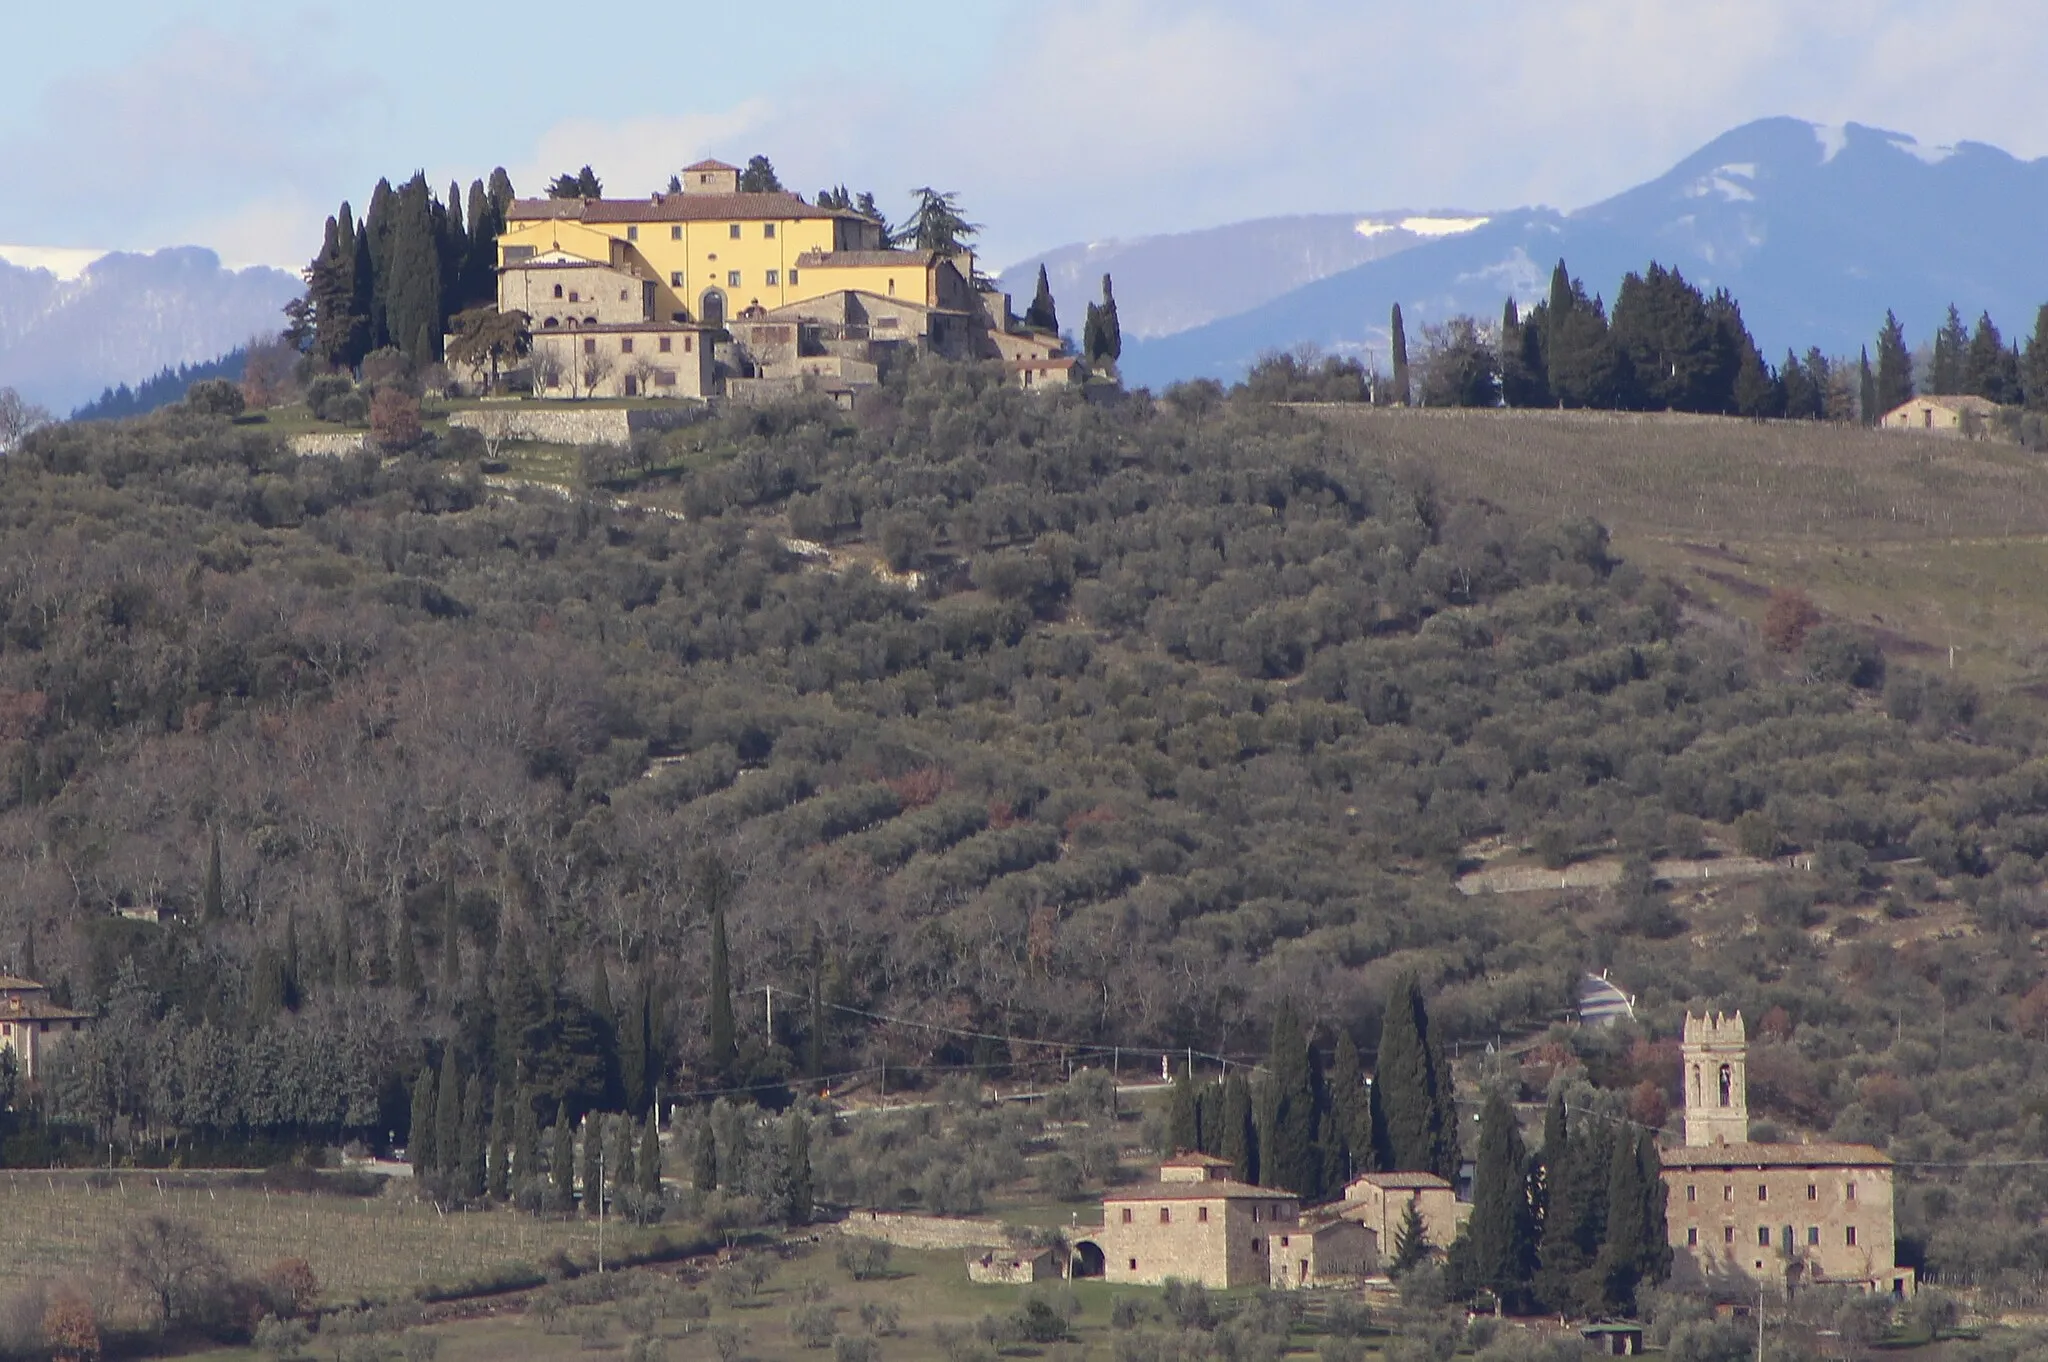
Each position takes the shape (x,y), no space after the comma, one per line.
(1894,366)
(448,1137)
(562,1158)
(1411,1241)
(1414,1087)
(935,224)
(593,1163)
(500,1148)
(1521,358)
(797,1168)
(1403,393)
(1945,373)
(1290,1158)
(1867,409)
(213,894)
(759,177)
(420,1134)
(2033,365)
(1043,314)
(1803,401)
(650,1156)
(1583,367)
(1239,1142)
(1501,1255)
(1986,369)
(1183,1130)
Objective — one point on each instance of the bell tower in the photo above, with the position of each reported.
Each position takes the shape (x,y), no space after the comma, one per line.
(1716,1061)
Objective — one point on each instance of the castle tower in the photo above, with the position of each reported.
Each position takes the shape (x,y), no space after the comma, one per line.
(1716,1062)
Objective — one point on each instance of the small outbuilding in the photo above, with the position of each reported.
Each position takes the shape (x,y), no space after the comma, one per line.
(1615,1340)
(1010,1267)
(1959,414)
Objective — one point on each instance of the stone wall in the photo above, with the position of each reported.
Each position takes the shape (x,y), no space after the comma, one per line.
(585,426)
(1731,1222)
(324,446)
(926,1231)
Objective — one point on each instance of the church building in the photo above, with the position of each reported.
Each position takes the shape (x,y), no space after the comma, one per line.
(1781,1215)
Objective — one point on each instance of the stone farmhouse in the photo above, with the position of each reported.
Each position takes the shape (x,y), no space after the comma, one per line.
(1198,1225)
(30,1023)
(1379,1202)
(1955,415)
(714,292)
(1743,1215)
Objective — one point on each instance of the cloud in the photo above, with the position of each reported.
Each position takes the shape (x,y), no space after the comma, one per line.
(199,128)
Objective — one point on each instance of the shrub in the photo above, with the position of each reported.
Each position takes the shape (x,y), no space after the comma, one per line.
(71,1328)
(1834,652)
(854,1348)
(1038,1320)
(216,397)
(864,1259)
(881,1317)
(291,1288)
(1129,1312)
(1187,1304)
(282,1339)
(421,1346)
(1756,835)
(813,1325)
(1788,617)
(395,421)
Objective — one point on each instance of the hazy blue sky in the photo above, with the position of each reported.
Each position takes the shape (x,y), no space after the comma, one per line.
(239,124)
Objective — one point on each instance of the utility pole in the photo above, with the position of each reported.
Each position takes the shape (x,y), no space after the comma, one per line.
(771,1014)
(600,1203)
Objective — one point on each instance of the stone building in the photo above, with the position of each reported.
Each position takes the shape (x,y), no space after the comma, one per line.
(1327,1251)
(30,1023)
(1197,1225)
(1010,1267)
(1380,1201)
(1742,1214)
(1952,415)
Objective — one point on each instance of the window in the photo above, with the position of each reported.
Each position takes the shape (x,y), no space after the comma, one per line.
(1692,1193)
(1692,1236)
(675,278)
(1134,1264)
(626,345)
(1813,1235)
(688,341)
(1202,1215)
(574,297)
(589,345)
(1812,1192)
(1728,1192)
(675,234)
(792,278)
(1852,1191)
(664,345)
(1728,1234)
(1127,1215)
(632,234)
(664,378)
(732,278)
(624,296)
(558,290)
(514,254)
(734,232)
(773,277)
(1285,1240)
(1255,1212)
(1763,1193)
(1166,1215)
(768,230)
(1852,1236)
(1255,1246)
(1763,1236)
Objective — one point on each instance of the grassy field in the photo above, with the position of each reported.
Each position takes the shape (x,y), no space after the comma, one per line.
(1928,542)
(67,1224)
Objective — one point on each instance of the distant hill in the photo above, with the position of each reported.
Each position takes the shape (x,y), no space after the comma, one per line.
(68,333)
(1816,231)
(166,386)
(1180,280)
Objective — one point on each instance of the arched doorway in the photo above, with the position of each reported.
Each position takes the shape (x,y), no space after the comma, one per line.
(1088,1260)
(711,308)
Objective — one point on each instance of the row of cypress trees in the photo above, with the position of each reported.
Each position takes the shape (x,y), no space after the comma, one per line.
(398,275)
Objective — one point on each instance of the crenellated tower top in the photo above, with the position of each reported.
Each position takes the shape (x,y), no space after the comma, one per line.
(1716,1064)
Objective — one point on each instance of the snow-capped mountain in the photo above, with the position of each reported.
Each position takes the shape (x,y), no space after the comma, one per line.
(1816,230)
(73,323)
(1181,280)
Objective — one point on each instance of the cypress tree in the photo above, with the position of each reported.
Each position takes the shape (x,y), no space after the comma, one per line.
(634,1044)
(1112,332)
(650,1156)
(1183,1131)
(562,1157)
(797,1168)
(624,1175)
(522,1007)
(419,1139)
(723,1043)
(1501,1248)
(1945,374)
(1411,1240)
(500,1149)
(1209,1118)
(1043,314)
(602,1008)
(29,968)
(1988,368)
(704,1158)
(1894,366)
(1350,1131)
(1521,358)
(1867,409)
(2033,365)
(212,894)
(412,289)
(593,1163)
(1564,1249)
(448,1136)
(525,1153)
(374,264)
(1289,1156)
(814,1042)
(1403,394)
(1803,401)
(475,1138)
(1635,1248)
(1414,1087)
(1240,1142)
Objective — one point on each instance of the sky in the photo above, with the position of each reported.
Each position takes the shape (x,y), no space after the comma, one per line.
(241,124)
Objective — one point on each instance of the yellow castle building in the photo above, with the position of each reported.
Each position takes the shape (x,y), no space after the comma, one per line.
(635,297)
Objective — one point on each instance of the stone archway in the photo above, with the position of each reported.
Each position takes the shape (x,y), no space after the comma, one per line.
(1088,1260)
(711,308)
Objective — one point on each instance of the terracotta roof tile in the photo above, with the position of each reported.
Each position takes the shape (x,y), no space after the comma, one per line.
(711,164)
(1775,1156)
(1199,1191)
(676,208)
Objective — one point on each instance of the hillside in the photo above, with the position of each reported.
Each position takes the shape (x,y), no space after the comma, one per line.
(1184,711)
(1816,230)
